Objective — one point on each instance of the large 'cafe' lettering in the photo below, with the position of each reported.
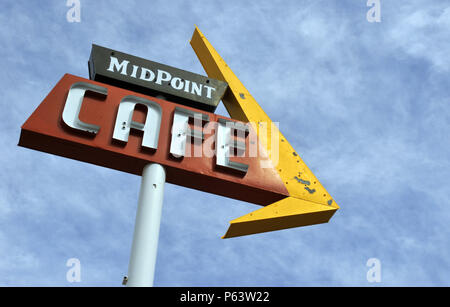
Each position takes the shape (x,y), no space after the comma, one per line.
(181,131)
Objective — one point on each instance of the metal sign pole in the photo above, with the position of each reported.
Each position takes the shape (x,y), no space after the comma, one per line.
(141,268)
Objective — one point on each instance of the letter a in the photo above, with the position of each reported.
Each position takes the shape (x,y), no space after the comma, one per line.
(74,13)
(374,14)
(374,274)
(124,121)
(74,273)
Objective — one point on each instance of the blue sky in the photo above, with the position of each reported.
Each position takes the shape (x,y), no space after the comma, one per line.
(364,104)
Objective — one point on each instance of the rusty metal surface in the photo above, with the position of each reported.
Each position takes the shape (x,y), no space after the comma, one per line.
(309,203)
(46,131)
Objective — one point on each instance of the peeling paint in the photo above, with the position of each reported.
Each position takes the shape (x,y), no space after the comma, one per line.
(308,208)
(302,181)
(330,202)
(242,95)
(310,191)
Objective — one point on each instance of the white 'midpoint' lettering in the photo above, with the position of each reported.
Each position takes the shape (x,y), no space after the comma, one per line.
(208,90)
(135,69)
(160,78)
(174,82)
(147,74)
(114,63)
(196,88)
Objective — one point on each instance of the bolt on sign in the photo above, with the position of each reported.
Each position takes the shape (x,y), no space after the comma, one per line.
(132,112)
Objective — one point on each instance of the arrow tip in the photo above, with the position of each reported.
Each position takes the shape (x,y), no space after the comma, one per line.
(287,213)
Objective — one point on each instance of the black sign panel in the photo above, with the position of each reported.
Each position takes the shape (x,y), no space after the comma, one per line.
(154,79)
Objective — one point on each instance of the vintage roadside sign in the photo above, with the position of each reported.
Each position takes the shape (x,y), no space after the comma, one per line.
(153,79)
(157,121)
(124,130)
(133,112)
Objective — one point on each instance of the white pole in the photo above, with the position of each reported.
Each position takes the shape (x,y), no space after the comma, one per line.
(141,269)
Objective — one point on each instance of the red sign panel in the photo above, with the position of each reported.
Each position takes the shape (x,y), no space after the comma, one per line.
(57,125)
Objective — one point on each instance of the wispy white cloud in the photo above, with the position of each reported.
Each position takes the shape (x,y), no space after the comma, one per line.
(365,104)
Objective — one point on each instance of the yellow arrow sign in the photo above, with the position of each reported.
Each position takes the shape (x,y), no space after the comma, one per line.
(309,203)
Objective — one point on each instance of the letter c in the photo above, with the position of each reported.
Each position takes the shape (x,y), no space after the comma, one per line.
(73,105)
